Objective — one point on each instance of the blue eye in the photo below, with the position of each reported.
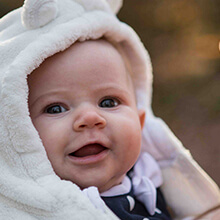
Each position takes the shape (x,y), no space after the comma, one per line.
(55,109)
(109,103)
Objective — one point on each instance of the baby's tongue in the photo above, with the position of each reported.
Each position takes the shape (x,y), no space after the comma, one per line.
(88,150)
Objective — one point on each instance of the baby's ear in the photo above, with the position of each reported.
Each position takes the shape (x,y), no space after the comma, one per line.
(141,114)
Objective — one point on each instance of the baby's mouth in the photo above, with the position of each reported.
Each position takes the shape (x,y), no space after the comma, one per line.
(88,150)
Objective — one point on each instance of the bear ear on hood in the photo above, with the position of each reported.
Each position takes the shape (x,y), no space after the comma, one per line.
(37,13)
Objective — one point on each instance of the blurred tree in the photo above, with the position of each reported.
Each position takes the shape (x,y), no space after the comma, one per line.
(7,6)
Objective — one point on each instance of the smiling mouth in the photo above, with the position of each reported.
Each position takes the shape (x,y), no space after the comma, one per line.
(88,150)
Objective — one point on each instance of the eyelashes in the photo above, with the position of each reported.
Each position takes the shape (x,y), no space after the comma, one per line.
(109,102)
(55,109)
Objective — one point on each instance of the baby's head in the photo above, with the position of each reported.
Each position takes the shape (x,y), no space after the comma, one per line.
(82,103)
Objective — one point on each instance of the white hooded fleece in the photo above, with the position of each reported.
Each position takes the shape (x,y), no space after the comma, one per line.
(29,188)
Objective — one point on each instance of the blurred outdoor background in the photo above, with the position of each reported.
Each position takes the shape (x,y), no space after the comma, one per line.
(182,37)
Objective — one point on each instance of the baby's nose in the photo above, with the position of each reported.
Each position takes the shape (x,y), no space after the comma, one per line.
(89,119)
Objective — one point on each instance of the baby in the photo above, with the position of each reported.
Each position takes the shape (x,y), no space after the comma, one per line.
(82,103)
(77,131)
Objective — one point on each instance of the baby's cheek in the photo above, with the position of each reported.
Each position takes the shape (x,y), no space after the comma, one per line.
(130,145)
(44,132)
(133,141)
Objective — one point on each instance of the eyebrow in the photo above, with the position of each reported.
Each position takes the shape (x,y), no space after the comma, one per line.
(108,87)
(113,87)
(51,93)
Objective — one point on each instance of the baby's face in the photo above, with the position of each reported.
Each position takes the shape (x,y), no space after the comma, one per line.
(83,105)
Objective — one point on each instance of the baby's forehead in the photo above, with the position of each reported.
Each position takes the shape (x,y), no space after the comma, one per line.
(93,57)
(82,55)
(105,48)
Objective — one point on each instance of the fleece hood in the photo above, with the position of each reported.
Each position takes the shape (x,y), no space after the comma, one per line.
(29,187)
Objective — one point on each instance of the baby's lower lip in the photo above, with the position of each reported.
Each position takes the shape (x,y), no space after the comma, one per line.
(92,153)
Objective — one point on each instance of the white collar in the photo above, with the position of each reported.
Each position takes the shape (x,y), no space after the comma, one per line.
(146,177)
(120,189)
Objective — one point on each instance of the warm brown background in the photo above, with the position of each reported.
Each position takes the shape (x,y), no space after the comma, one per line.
(182,37)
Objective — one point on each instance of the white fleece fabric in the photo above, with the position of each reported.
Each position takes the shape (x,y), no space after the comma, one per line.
(29,188)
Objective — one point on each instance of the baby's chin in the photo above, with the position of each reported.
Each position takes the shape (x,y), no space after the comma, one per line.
(101,186)
(106,186)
